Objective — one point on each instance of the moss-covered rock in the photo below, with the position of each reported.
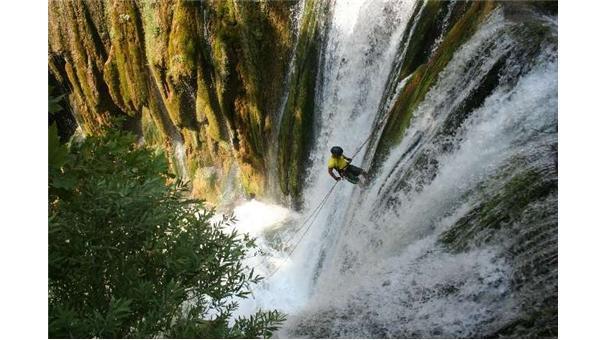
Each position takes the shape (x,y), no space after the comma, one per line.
(518,213)
(296,127)
(205,74)
(75,37)
(422,33)
(425,75)
(500,210)
(125,71)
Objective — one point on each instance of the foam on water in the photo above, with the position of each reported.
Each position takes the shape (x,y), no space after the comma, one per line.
(362,42)
(384,273)
(259,219)
(372,264)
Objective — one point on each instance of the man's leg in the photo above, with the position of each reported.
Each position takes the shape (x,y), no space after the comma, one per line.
(354,170)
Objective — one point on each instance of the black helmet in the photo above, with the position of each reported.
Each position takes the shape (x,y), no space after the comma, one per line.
(336,150)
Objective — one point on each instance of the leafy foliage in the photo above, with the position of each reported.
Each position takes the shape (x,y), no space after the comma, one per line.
(130,256)
(54,102)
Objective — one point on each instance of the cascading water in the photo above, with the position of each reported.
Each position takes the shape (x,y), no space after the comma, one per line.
(179,152)
(362,36)
(362,44)
(456,234)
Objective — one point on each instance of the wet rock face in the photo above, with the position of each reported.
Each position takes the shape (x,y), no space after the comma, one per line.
(202,77)
(228,87)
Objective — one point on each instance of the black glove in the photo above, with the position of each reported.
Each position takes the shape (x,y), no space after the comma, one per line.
(338,179)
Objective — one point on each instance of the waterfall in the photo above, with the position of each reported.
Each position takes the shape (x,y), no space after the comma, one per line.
(369,42)
(456,234)
(358,57)
(179,158)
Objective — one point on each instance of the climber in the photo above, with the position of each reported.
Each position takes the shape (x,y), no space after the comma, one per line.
(342,164)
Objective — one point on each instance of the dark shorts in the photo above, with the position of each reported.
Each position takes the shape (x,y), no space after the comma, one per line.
(352,170)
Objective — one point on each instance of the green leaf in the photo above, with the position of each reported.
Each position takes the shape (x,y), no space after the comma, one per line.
(57,152)
(128,254)
(66,181)
(53,104)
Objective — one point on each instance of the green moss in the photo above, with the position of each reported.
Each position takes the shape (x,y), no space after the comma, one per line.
(500,210)
(247,75)
(198,155)
(154,32)
(211,72)
(224,60)
(112,78)
(208,111)
(183,47)
(80,68)
(128,58)
(266,40)
(426,75)
(151,133)
(214,127)
(297,121)
(193,164)
(425,33)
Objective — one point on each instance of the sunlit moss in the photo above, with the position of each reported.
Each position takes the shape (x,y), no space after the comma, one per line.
(209,73)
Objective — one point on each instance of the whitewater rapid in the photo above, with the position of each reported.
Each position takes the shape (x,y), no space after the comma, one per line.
(379,261)
(267,222)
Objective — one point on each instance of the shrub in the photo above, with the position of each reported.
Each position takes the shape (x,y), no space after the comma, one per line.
(131,256)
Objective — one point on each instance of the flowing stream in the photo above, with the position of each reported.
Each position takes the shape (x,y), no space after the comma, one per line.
(456,233)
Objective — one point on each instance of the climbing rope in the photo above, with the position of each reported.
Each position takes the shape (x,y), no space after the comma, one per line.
(311,218)
(316,212)
(361,145)
(379,124)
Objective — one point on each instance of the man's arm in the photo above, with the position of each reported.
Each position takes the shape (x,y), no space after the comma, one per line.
(333,175)
(347,159)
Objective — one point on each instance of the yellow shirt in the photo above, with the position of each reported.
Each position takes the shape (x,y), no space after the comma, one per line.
(338,163)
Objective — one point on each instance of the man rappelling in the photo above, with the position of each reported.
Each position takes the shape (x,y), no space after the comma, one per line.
(342,164)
